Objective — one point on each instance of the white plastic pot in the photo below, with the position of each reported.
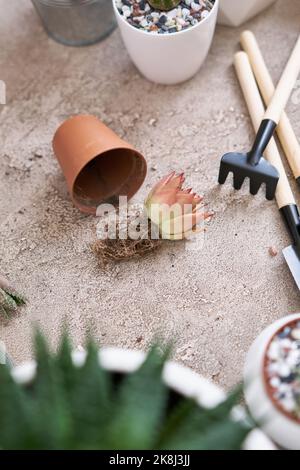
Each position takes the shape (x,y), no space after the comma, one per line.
(178,378)
(169,58)
(279,427)
(236,12)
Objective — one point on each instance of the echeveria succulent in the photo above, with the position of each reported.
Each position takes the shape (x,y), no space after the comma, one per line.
(175,210)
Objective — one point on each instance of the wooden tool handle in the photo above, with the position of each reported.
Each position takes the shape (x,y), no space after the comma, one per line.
(284,195)
(285,131)
(285,86)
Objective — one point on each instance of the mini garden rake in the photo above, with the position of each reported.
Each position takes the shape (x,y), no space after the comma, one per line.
(252,164)
(284,195)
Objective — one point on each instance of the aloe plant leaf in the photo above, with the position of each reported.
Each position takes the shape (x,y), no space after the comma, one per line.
(177,417)
(222,435)
(140,406)
(92,400)
(51,404)
(15,414)
(65,364)
(224,408)
(210,429)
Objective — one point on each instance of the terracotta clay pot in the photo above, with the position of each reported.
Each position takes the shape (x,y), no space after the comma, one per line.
(98,165)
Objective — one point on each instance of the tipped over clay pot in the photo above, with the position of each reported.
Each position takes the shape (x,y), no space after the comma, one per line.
(98,165)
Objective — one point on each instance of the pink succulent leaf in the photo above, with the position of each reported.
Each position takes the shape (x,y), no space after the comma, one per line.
(178,227)
(171,182)
(184,198)
(176,181)
(164,196)
(165,180)
(160,184)
(188,198)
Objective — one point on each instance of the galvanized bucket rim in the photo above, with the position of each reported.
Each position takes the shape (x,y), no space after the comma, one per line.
(64,3)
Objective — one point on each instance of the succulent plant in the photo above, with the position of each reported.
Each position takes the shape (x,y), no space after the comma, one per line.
(86,407)
(164,4)
(175,210)
(10,299)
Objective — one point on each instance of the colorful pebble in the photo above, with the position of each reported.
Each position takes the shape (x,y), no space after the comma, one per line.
(283,369)
(141,15)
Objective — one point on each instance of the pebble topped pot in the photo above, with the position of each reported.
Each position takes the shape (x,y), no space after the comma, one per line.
(279,425)
(172,58)
(236,12)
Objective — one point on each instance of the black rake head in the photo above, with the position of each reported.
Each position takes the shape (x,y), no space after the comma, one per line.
(258,174)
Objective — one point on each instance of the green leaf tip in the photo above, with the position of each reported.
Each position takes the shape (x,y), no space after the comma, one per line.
(164,4)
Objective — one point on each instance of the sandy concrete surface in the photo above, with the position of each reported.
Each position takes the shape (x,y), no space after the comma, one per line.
(215,300)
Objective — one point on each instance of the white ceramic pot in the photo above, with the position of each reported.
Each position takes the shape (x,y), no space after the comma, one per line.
(236,12)
(177,377)
(279,427)
(169,58)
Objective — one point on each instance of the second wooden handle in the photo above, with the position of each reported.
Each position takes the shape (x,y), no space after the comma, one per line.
(284,195)
(285,86)
(285,131)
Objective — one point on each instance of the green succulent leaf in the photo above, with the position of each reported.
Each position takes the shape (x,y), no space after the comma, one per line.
(91,400)
(140,405)
(206,429)
(177,418)
(10,300)
(15,418)
(18,298)
(7,302)
(51,414)
(164,4)
(64,363)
